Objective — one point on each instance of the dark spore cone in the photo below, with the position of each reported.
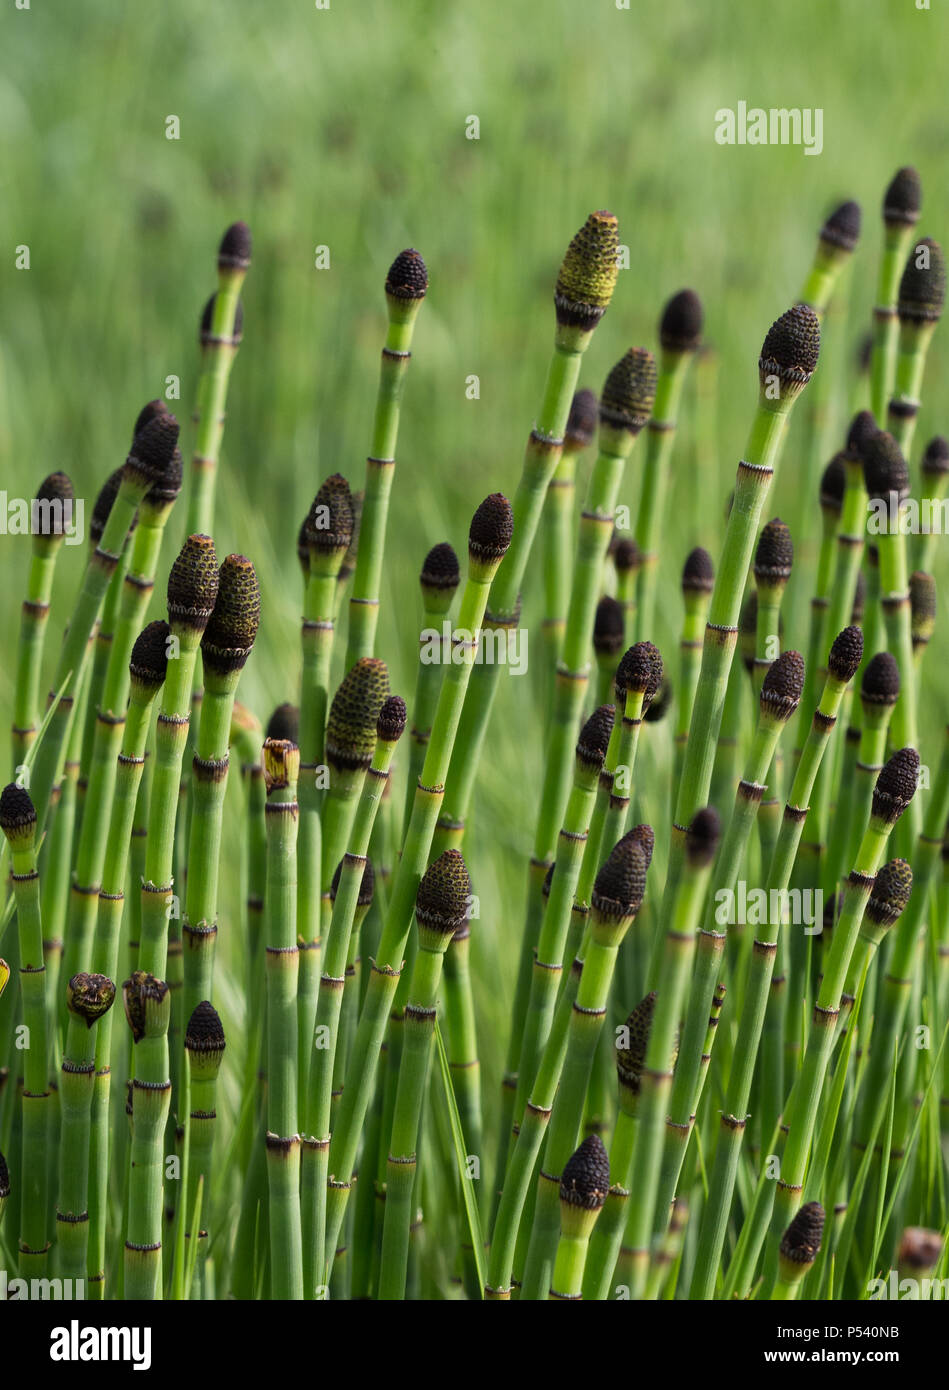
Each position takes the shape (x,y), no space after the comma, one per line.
(151,455)
(367,884)
(408,276)
(923,286)
(631,1059)
(801,1241)
(232,627)
(17,812)
(103,505)
(626,555)
(680,328)
(629,392)
(329,522)
(774,555)
(640,670)
(621,882)
(792,346)
(660,706)
(645,837)
(440,569)
(444,894)
(881,680)
(492,527)
(165,491)
(354,714)
(234,253)
(205,1031)
(51,521)
(783,684)
(581,422)
(936,457)
(890,892)
(4,1178)
(863,427)
(148,413)
(193,584)
(846,654)
(884,467)
(55,487)
(832,483)
(149,660)
(609,625)
(896,785)
(588,273)
(702,837)
(390,725)
(284,723)
(585,1180)
(698,572)
(88,997)
(595,736)
(903,198)
(842,228)
(922,599)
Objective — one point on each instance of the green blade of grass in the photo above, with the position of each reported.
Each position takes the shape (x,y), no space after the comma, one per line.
(467,1191)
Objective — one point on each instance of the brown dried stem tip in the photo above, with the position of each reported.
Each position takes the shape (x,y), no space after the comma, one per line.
(896,785)
(281,760)
(791,349)
(702,837)
(443,901)
(922,603)
(841,231)
(234,253)
(595,737)
(800,1243)
(621,883)
(148,664)
(147,1004)
(284,723)
(884,468)
(354,714)
(903,198)
(588,274)
(881,680)
(629,392)
(88,997)
(17,816)
(492,527)
(922,292)
(581,422)
(680,328)
(609,625)
(640,671)
(232,628)
(846,654)
(150,461)
(783,686)
(205,1041)
(774,555)
(390,726)
(698,572)
(193,585)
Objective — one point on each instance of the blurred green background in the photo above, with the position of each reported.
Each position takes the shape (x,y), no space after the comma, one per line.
(345,127)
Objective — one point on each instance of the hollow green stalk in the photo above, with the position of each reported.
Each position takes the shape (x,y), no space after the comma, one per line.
(204,1044)
(900,214)
(282,764)
(147,1003)
(439,580)
(697,580)
(583,1190)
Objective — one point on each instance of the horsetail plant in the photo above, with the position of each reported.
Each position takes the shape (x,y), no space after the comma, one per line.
(698,580)
(489,537)
(442,906)
(220,336)
(281,768)
(147,1002)
(609,629)
(901,204)
(557,524)
(922,608)
(879,693)
(680,337)
(204,1044)
(18,821)
(406,287)
(842,663)
(800,1246)
(836,244)
(439,581)
(774,557)
(788,360)
(226,644)
(584,1184)
(922,297)
(832,485)
(324,1038)
(150,462)
(934,478)
(88,998)
(51,514)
